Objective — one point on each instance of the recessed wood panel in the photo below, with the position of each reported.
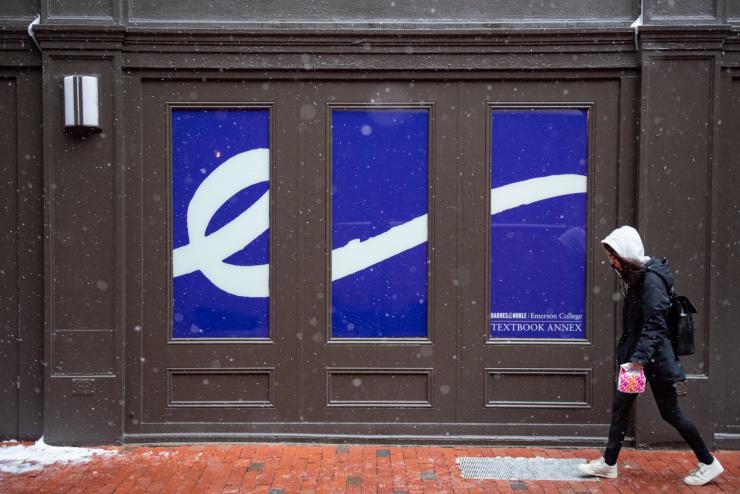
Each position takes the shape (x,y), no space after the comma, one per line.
(407,12)
(83,10)
(728,270)
(19,9)
(9,399)
(72,354)
(538,388)
(220,387)
(733,10)
(21,243)
(675,175)
(664,10)
(81,249)
(379,388)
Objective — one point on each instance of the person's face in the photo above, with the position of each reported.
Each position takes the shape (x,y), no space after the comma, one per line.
(613,261)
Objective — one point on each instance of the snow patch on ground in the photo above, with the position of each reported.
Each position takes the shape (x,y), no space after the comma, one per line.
(21,459)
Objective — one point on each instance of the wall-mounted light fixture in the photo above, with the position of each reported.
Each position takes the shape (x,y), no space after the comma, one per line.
(81,101)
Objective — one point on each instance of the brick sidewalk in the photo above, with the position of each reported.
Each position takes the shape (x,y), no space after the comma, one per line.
(290,468)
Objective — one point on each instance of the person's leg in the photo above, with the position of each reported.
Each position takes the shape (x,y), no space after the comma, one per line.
(709,467)
(621,409)
(607,466)
(665,397)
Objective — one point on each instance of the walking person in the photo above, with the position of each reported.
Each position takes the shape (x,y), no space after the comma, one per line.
(645,345)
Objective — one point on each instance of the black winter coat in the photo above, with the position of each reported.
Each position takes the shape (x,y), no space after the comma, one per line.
(645,334)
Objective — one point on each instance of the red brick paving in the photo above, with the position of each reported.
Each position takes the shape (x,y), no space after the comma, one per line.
(361,469)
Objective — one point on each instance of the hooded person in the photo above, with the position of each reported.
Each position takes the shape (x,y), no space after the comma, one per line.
(645,346)
(626,242)
(645,339)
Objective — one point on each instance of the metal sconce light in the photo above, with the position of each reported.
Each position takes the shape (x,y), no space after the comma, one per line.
(81,101)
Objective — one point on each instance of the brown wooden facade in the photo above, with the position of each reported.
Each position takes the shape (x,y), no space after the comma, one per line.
(84,352)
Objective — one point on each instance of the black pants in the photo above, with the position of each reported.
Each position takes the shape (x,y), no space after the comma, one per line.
(665,396)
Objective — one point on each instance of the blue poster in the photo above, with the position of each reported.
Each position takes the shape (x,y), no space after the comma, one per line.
(538,223)
(379,233)
(220,220)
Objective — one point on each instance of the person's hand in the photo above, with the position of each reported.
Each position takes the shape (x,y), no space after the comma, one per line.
(634,366)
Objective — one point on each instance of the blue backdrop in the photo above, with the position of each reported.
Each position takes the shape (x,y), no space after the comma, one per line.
(202,139)
(538,251)
(380,180)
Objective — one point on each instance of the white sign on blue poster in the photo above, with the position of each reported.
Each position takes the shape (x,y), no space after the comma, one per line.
(379,223)
(220,222)
(379,259)
(538,223)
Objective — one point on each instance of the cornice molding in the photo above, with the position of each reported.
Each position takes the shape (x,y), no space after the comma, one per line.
(77,37)
(214,40)
(540,41)
(140,41)
(17,48)
(710,37)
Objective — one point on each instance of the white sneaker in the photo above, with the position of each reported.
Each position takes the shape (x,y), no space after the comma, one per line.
(599,468)
(704,473)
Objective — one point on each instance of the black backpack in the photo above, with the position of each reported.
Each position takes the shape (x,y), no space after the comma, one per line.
(680,320)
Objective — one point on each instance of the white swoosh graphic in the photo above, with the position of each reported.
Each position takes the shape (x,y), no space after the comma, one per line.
(206,253)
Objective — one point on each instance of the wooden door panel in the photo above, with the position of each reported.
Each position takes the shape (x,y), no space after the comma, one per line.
(218,379)
(381,379)
(537,380)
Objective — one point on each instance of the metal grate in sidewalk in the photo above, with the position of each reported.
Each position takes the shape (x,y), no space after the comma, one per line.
(508,468)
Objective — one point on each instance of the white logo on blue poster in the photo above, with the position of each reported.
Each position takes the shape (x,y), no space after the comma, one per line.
(538,249)
(221,224)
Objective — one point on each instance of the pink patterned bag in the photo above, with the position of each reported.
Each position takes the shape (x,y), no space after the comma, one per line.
(630,381)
